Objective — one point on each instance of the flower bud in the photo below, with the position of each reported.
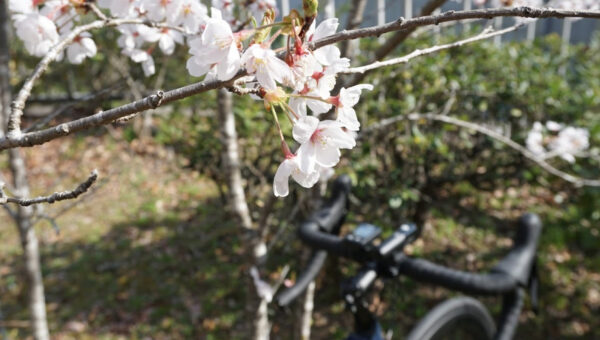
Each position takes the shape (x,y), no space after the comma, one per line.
(310,7)
(292,22)
(268,18)
(274,97)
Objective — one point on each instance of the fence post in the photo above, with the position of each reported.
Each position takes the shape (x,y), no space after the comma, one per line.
(330,9)
(408,9)
(498,26)
(531,30)
(381,16)
(467,6)
(566,35)
(285,7)
(437,29)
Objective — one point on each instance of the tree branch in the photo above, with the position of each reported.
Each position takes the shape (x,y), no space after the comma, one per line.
(14,119)
(55,197)
(104,117)
(399,37)
(486,34)
(64,108)
(391,43)
(18,139)
(488,13)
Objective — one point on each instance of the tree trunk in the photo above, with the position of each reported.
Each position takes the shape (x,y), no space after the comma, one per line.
(307,310)
(33,270)
(231,159)
(23,216)
(239,207)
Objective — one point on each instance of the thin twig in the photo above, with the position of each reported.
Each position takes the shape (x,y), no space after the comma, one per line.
(578,181)
(96,11)
(64,108)
(486,34)
(55,197)
(14,120)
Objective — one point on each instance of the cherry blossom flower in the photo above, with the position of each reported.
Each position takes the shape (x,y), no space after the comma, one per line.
(191,15)
(320,141)
(216,47)
(327,54)
(535,140)
(23,6)
(569,142)
(37,32)
(344,103)
(82,47)
(120,8)
(61,12)
(553,126)
(303,66)
(299,103)
(157,10)
(131,37)
(167,39)
(324,81)
(225,7)
(291,167)
(268,68)
(144,58)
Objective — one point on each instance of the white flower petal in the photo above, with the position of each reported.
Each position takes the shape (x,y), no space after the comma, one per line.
(280,182)
(326,27)
(196,69)
(307,157)
(328,156)
(304,128)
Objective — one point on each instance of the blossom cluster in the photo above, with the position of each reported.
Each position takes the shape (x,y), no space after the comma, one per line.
(287,74)
(555,139)
(299,83)
(41,24)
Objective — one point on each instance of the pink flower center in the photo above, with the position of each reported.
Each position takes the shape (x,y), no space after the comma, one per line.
(286,151)
(335,101)
(318,75)
(317,136)
(305,90)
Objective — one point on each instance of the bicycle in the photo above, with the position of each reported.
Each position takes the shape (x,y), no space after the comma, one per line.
(456,318)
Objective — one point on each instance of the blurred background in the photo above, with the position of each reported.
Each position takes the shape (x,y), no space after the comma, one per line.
(152,252)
